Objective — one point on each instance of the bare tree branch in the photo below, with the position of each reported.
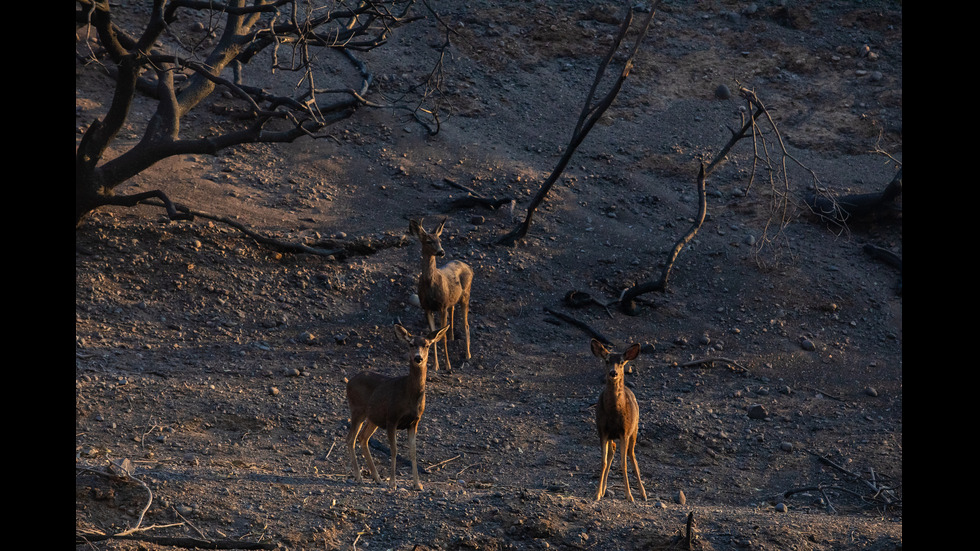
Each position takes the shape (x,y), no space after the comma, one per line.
(590,114)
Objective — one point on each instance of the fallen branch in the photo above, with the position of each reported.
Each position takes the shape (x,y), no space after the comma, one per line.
(441,463)
(580,324)
(886,493)
(281,246)
(883,495)
(732,364)
(122,470)
(186,543)
(474,199)
(862,205)
(333,248)
(627,300)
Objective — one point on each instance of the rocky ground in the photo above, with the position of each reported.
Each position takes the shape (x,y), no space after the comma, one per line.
(215,367)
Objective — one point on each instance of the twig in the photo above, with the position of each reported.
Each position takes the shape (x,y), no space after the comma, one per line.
(122,467)
(196,529)
(827,394)
(735,366)
(441,463)
(883,491)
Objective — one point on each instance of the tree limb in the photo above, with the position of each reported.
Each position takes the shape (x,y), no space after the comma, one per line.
(588,117)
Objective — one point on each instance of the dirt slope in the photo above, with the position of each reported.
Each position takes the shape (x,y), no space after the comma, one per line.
(217,367)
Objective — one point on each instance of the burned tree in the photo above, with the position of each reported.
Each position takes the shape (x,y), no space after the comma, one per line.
(154,53)
(591,112)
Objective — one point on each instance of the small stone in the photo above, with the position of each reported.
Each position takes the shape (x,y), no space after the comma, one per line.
(807,344)
(680,498)
(273,391)
(722,92)
(757,411)
(870,391)
(781,508)
(786,446)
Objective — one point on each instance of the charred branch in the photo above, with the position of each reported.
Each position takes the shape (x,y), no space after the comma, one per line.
(863,205)
(590,114)
(141,64)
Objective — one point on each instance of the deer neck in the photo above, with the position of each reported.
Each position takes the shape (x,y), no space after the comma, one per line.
(429,269)
(615,391)
(416,379)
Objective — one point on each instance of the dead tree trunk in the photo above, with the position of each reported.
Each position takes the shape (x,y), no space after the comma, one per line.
(588,117)
(145,60)
(849,207)
(627,301)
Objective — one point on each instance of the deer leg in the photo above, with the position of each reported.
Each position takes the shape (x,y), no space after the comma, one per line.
(624,444)
(445,343)
(355,427)
(392,436)
(636,467)
(412,430)
(430,317)
(605,445)
(466,324)
(363,436)
(452,326)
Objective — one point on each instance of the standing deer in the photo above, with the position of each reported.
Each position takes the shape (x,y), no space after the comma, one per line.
(617,416)
(441,289)
(395,403)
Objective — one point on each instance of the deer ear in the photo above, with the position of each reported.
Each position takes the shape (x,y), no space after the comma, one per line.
(632,352)
(403,333)
(414,226)
(598,350)
(439,229)
(436,335)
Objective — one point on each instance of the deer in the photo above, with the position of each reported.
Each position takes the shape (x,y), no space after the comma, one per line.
(441,289)
(394,403)
(617,416)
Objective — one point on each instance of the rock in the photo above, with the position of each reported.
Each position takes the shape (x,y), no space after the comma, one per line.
(781,508)
(786,446)
(870,391)
(680,498)
(757,411)
(722,92)
(807,344)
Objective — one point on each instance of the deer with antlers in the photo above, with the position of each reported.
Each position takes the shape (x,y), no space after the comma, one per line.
(617,416)
(395,403)
(441,289)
